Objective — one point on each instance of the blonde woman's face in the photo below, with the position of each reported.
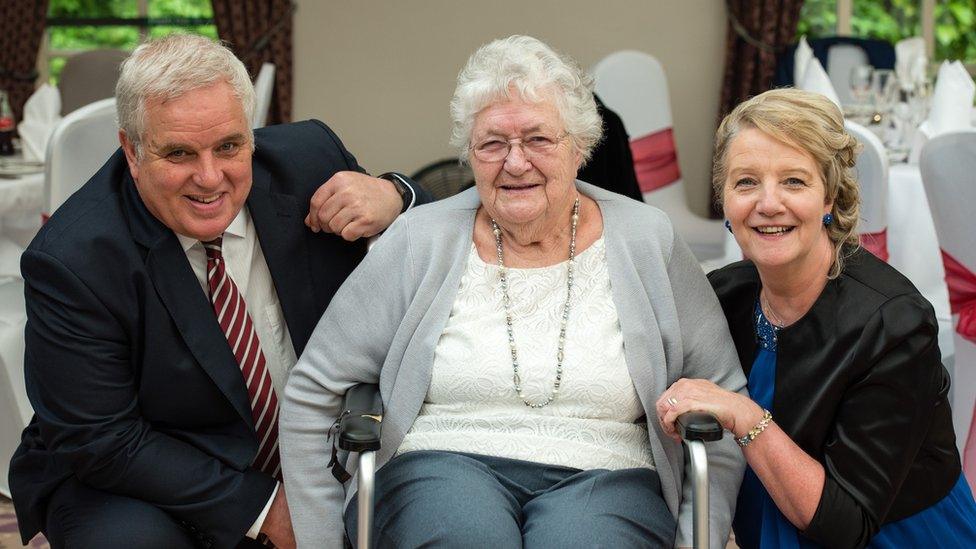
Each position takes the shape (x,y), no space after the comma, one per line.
(775,200)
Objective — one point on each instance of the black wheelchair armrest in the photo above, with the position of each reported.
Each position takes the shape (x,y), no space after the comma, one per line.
(361,421)
(699,426)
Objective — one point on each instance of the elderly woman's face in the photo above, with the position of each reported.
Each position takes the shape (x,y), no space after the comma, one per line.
(775,199)
(533,180)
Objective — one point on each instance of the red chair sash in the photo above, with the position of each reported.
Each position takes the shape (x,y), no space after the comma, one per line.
(876,243)
(655,160)
(962,295)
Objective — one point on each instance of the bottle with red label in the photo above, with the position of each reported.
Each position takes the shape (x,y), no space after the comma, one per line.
(6,126)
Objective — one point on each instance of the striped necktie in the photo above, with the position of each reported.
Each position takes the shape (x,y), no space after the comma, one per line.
(235,322)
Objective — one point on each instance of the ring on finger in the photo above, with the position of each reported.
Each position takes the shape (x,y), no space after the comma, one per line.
(672,401)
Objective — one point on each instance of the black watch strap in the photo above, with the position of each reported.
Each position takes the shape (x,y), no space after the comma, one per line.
(400,183)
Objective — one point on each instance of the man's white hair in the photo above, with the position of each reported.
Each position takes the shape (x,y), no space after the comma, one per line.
(166,68)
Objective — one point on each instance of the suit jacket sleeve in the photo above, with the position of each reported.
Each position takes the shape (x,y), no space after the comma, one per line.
(881,423)
(709,353)
(84,391)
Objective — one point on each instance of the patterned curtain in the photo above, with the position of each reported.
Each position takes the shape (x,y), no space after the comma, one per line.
(21,29)
(260,31)
(758,31)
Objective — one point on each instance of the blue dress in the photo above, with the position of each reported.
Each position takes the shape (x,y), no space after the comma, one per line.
(758,523)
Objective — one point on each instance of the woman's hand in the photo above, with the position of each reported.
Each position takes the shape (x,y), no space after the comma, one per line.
(735,412)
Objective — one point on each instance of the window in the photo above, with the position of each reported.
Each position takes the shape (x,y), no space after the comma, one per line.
(953,23)
(79,25)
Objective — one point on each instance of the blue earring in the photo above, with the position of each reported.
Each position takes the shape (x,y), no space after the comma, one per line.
(828,219)
(728,225)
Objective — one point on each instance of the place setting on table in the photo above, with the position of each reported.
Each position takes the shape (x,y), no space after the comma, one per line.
(905,109)
(22,173)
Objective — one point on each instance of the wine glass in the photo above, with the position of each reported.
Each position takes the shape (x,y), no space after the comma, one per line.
(860,81)
(884,89)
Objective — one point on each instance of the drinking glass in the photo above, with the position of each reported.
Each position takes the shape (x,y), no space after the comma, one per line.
(860,81)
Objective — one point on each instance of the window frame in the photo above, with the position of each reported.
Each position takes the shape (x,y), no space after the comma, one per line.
(142,21)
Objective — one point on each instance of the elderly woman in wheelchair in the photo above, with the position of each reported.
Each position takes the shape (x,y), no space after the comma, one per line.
(520,334)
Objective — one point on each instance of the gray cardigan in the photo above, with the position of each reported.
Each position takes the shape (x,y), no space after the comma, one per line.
(384,322)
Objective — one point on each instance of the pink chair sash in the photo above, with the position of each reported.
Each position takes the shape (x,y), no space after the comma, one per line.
(876,243)
(962,295)
(655,160)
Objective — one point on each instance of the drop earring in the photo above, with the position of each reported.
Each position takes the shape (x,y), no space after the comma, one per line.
(728,225)
(828,219)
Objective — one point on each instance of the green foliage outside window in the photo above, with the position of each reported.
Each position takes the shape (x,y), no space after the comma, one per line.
(893,20)
(118,37)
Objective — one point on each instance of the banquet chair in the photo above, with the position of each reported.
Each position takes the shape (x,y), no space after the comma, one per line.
(872,177)
(633,85)
(89,76)
(263,90)
(359,432)
(80,144)
(15,409)
(948,163)
(838,54)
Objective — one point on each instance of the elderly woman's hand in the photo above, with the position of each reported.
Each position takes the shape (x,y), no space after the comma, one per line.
(736,413)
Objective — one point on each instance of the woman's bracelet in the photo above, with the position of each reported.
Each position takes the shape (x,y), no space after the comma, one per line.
(755,431)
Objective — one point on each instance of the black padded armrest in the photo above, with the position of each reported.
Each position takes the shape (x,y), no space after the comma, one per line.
(361,421)
(699,426)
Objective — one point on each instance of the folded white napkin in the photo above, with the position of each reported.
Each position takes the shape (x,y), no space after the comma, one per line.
(802,57)
(951,108)
(42,113)
(815,79)
(910,62)
(952,99)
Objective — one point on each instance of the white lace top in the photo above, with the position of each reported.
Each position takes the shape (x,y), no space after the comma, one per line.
(471,405)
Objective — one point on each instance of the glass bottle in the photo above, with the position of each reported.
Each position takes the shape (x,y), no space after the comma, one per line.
(6,126)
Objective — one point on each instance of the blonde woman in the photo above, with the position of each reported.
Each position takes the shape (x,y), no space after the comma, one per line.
(847,434)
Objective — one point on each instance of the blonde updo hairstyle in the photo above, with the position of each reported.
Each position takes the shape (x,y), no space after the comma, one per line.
(812,123)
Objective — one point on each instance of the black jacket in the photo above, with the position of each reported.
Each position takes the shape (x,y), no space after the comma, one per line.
(134,388)
(861,388)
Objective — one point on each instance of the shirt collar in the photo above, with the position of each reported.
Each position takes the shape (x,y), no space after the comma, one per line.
(237,228)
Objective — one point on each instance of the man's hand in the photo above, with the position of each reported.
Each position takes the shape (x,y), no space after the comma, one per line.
(353,205)
(277,524)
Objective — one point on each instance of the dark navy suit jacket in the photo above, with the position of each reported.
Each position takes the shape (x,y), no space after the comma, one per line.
(134,388)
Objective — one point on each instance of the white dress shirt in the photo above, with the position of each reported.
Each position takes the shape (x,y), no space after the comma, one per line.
(246,266)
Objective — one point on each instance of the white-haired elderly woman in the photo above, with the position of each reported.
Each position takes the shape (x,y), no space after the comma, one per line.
(520,333)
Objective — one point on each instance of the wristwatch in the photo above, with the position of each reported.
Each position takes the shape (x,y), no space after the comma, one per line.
(401,186)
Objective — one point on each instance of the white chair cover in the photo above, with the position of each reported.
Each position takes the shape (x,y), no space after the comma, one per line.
(79,146)
(948,163)
(872,175)
(15,410)
(633,85)
(841,58)
(263,88)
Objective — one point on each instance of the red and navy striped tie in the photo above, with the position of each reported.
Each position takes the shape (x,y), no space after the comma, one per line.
(235,322)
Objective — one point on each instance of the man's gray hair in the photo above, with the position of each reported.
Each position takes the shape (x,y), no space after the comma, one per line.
(166,68)
(536,73)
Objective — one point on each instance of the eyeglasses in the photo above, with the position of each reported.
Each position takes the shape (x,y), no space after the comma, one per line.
(496,149)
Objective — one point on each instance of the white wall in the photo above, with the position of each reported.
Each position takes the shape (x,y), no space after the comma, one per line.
(381,72)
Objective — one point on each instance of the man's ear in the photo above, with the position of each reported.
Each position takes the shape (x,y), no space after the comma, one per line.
(129,148)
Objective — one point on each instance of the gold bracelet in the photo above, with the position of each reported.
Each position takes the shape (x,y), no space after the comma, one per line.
(755,431)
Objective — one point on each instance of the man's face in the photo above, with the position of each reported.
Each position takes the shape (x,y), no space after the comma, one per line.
(195,171)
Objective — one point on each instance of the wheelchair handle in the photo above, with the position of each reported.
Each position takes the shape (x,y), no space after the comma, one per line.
(699,426)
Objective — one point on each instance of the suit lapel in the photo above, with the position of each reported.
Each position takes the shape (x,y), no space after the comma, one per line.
(180,292)
(278,220)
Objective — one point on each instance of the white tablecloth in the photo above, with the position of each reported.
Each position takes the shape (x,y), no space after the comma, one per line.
(913,247)
(20,217)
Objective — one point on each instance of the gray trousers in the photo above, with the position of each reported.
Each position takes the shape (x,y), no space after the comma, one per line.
(447,499)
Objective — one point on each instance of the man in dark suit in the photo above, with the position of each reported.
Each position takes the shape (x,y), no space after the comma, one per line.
(166,301)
